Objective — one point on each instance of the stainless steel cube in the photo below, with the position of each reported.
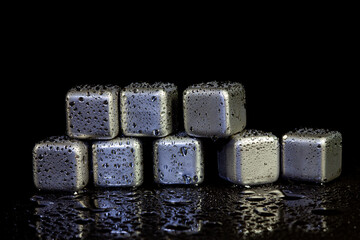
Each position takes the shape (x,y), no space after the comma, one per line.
(249,158)
(60,163)
(214,109)
(148,110)
(178,159)
(312,155)
(92,112)
(118,163)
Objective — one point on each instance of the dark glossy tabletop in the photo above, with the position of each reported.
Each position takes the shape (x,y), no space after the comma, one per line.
(209,211)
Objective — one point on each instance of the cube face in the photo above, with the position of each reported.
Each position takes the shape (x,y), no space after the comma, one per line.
(214,109)
(118,163)
(60,163)
(251,157)
(149,110)
(178,160)
(92,112)
(312,155)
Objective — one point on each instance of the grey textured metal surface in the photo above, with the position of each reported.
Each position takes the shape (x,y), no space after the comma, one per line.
(92,112)
(60,163)
(149,110)
(118,163)
(249,158)
(178,159)
(312,155)
(214,109)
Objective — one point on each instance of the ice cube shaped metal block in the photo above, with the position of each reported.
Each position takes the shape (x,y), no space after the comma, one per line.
(92,112)
(60,163)
(149,110)
(178,159)
(312,155)
(214,109)
(249,158)
(118,163)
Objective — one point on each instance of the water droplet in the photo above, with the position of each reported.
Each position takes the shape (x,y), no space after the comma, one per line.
(292,196)
(175,228)
(187,179)
(263,211)
(156,132)
(247,192)
(183,151)
(255,198)
(177,201)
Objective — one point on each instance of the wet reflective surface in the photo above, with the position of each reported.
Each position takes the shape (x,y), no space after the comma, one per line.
(211,211)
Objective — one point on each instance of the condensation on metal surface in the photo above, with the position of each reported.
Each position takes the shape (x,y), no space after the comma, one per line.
(249,158)
(92,111)
(60,163)
(312,155)
(149,110)
(118,162)
(178,159)
(214,109)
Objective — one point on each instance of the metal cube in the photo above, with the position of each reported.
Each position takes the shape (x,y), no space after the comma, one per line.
(178,159)
(118,163)
(249,158)
(92,112)
(312,155)
(149,110)
(60,163)
(214,109)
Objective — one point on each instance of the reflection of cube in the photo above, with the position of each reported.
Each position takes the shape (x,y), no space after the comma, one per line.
(118,162)
(92,112)
(312,155)
(148,110)
(214,109)
(178,160)
(119,212)
(60,163)
(180,208)
(250,157)
(61,216)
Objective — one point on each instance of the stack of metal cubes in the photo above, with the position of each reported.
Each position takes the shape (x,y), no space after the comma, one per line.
(108,123)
